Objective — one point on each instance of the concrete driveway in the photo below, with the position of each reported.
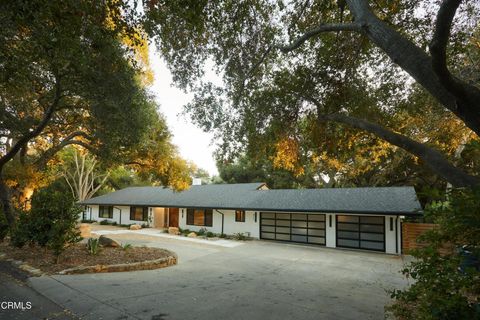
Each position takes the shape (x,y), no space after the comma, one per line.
(257,280)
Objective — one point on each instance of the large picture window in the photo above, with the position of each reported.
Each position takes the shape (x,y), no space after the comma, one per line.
(239,215)
(200,217)
(105,212)
(139,213)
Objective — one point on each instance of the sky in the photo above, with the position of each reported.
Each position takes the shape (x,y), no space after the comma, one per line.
(193,144)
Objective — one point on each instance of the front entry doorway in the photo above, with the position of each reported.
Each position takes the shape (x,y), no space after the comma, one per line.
(173,217)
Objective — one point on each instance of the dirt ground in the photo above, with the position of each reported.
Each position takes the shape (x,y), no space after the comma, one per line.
(77,255)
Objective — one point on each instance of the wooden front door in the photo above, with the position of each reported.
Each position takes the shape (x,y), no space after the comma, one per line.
(173,217)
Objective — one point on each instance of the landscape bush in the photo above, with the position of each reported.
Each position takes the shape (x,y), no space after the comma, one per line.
(50,223)
(104,222)
(3,226)
(93,246)
(239,236)
(202,232)
(210,234)
(446,273)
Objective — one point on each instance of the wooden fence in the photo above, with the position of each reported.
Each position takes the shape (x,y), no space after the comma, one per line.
(410,233)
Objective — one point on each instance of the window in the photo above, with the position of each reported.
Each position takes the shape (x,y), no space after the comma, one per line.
(239,215)
(139,213)
(200,217)
(105,212)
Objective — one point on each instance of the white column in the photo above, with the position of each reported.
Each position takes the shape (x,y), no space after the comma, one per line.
(330,238)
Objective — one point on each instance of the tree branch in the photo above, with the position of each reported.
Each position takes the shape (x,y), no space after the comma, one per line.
(69,140)
(47,116)
(439,43)
(430,157)
(328,27)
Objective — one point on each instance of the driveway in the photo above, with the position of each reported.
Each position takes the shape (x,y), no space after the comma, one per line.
(257,280)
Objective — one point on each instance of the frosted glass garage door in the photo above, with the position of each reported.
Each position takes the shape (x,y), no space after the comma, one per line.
(361,232)
(294,227)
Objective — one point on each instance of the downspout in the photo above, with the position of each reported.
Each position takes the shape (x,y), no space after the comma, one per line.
(223,216)
(120,213)
(396,235)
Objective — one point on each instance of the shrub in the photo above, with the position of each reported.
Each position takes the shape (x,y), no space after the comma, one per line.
(202,231)
(239,236)
(87,221)
(93,246)
(446,279)
(3,226)
(126,246)
(50,223)
(210,234)
(104,222)
(114,223)
(223,235)
(23,233)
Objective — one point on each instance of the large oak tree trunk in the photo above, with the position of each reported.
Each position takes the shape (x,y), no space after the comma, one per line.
(5,201)
(418,64)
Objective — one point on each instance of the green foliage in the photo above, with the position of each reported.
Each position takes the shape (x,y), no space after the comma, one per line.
(104,222)
(3,226)
(93,246)
(446,279)
(239,236)
(210,234)
(223,235)
(126,246)
(267,95)
(50,223)
(202,231)
(88,221)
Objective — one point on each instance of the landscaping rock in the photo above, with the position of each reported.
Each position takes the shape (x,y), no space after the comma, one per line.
(135,227)
(192,235)
(107,242)
(85,230)
(173,230)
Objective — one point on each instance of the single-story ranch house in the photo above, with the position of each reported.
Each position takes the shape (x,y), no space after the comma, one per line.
(361,218)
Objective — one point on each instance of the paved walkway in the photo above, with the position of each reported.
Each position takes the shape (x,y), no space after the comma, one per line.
(157,233)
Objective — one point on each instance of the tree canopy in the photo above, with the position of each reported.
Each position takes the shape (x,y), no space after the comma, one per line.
(75,73)
(366,67)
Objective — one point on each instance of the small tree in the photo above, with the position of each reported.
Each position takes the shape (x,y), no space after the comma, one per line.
(82,176)
(51,222)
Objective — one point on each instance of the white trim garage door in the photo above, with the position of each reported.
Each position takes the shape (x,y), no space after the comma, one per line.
(361,232)
(294,227)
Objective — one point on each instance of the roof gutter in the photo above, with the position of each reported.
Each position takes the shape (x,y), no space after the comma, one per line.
(418,212)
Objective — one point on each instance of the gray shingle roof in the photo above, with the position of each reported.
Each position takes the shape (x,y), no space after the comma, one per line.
(388,200)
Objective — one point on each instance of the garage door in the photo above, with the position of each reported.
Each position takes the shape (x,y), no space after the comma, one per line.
(361,232)
(295,227)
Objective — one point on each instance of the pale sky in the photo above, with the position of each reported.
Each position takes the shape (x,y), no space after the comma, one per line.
(193,144)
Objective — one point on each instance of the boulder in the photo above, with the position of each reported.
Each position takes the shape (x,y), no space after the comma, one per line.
(107,242)
(85,230)
(135,227)
(173,230)
(192,235)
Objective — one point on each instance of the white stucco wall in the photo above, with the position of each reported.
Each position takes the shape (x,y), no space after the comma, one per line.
(250,226)
(125,211)
(330,236)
